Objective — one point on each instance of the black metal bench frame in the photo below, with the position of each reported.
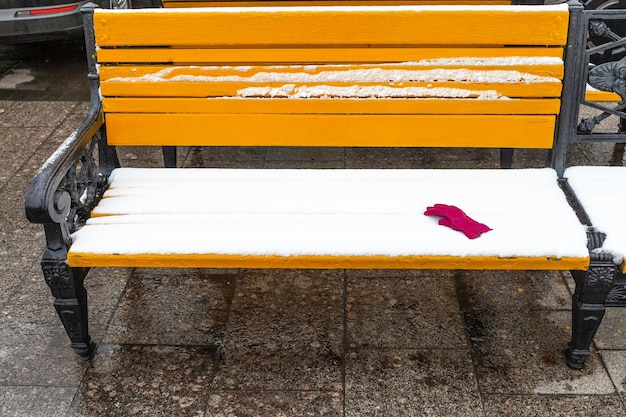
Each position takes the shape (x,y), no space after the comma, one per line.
(66,189)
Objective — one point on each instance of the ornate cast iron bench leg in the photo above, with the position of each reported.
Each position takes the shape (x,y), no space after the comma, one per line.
(588,304)
(70,302)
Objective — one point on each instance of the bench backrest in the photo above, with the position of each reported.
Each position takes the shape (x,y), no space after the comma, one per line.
(451,76)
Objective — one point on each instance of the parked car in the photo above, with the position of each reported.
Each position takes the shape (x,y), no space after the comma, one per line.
(24,21)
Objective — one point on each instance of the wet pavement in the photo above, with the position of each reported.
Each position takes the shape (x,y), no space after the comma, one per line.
(287,342)
(44,71)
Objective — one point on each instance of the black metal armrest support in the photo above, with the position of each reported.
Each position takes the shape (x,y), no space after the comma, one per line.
(61,197)
(72,180)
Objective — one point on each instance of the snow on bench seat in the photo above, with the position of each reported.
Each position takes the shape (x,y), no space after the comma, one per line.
(601,191)
(329,219)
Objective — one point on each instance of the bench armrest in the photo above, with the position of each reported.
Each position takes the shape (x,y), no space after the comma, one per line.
(72,180)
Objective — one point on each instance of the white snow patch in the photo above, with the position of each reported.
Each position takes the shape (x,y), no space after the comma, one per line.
(331,212)
(60,151)
(326,91)
(369,75)
(489,61)
(602,193)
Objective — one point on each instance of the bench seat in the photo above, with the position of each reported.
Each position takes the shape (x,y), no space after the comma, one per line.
(329,219)
(601,191)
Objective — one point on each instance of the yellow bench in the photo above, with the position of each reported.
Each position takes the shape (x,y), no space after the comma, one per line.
(331,76)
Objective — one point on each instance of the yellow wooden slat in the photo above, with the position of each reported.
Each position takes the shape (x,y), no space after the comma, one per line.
(330,130)
(344,106)
(595,95)
(124,71)
(324,262)
(214,89)
(469,63)
(406,25)
(309,55)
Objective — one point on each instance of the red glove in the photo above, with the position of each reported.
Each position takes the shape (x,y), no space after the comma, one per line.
(456,219)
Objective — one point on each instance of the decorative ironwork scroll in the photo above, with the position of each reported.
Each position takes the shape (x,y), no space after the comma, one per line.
(610,76)
(617,295)
(84,186)
(606,76)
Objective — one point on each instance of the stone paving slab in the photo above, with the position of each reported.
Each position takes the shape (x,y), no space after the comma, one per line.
(612,332)
(275,403)
(35,401)
(411,382)
(410,313)
(553,406)
(144,380)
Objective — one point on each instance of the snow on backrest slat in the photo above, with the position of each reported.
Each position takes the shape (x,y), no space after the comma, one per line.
(334,26)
